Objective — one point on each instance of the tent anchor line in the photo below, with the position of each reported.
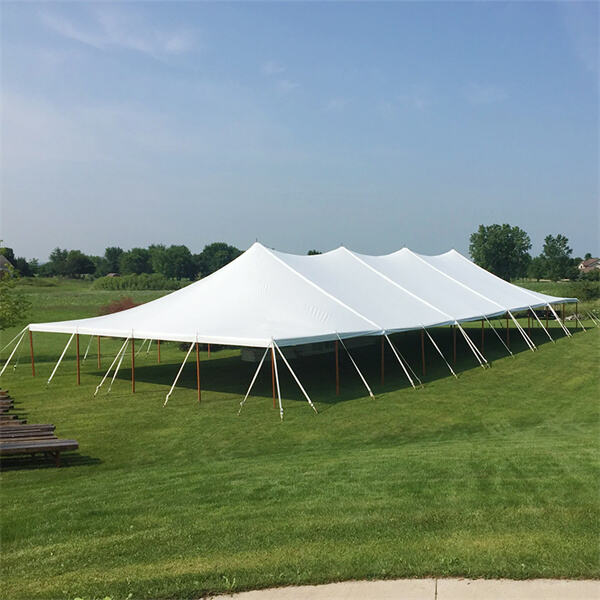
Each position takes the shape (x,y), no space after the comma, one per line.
(355,365)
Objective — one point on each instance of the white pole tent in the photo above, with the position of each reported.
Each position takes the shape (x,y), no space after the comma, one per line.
(269,299)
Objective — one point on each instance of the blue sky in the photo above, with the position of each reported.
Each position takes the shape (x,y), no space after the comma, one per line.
(373,125)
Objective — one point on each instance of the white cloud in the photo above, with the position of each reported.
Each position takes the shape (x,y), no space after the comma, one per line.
(336,104)
(272,67)
(109,28)
(477,93)
(285,86)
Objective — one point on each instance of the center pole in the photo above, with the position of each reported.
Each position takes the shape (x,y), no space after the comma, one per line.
(31,352)
(77,352)
(198,371)
(273,374)
(337,369)
(132,366)
(423,350)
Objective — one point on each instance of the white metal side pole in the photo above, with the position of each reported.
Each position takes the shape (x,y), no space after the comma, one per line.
(111,365)
(522,332)
(60,359)
(440,353)
(499,336)
(15,349)
(355,366)
(400,361)
(542,325)
(262,360)
(287,364)
(471,345)
(118,367)
(179,373)
(88,348)
(277,379)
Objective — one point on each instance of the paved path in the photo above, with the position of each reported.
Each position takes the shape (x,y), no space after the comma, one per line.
(433,589)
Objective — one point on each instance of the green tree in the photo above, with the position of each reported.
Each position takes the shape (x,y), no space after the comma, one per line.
(57,263)
(180,263)
(557,255)
(14,307)
(501,249)
(78,263)
(137,261)
(100,266)
(313,252)
(537,268)
(113,256)
(22,266)
(8,254)
(214,256)
(158,258)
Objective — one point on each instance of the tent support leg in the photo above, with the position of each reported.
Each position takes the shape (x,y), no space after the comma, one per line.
(260,364)
(99,364)
(132,365)
(396,354)
(507,332)
(208,349)
(499,337)
(482,335)
(59,360)
(440,352)
(337,369)
(77,356)
(158,350)
(31,352)
(273,374)
(198,372)
(178,373)
(453,343)
(355,366)
(382,361)
(277,379)
(423,368)
(529,323)
(287,364)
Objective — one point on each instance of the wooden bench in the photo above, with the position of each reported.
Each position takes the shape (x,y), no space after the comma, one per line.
(50,447)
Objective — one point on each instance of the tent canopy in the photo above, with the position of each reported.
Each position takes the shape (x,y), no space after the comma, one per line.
(266,295)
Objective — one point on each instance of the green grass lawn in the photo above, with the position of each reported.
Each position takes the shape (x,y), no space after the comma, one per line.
(491,475)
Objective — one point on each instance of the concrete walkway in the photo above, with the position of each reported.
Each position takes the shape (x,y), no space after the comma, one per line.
(433,589)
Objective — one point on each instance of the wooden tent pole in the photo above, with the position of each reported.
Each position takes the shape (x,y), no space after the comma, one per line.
(382,361)
(454,343)
(158,347)
(482,335)
(576,311)
(273,374)
(546,317)
(507,332)
(132,365)
(208,350)
(529,323)
(99,363)
(198,371)
(31,352)
(423,350)
(337,369)
(77,352)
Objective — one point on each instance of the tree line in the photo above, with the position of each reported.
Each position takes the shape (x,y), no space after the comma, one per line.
(172,262)
(504,251)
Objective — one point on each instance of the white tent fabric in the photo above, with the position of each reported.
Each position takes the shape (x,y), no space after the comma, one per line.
(266,296)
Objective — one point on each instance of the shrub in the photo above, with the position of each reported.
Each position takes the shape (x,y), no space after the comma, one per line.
(115,306)
(144,281)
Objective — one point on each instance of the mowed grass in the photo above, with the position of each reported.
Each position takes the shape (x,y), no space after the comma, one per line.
(491,475)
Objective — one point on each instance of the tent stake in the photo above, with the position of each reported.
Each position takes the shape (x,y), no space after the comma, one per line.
(337,369)
(262,360)
(382,361)
(31,352)
(198,372)
(132,364)
(99,363)
(77,354)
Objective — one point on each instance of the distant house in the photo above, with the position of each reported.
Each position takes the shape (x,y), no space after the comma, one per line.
(589,264)
(112,275)
(5,264)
